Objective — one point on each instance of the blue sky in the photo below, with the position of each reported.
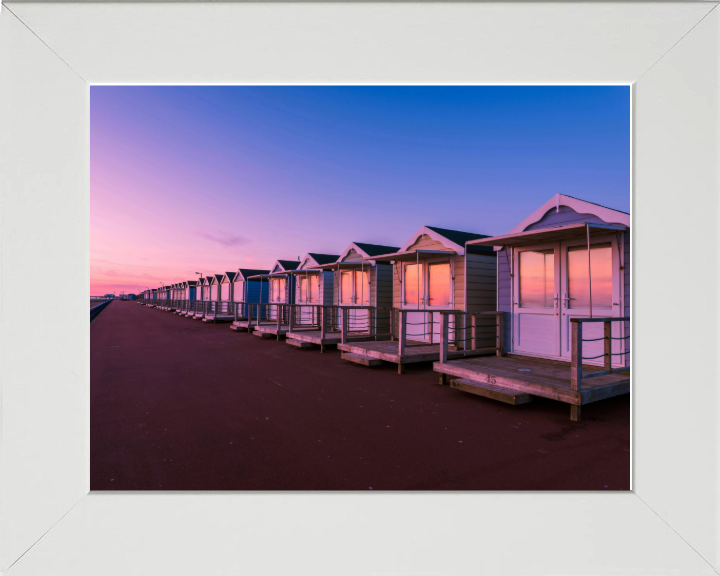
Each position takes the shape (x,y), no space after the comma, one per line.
(222,177)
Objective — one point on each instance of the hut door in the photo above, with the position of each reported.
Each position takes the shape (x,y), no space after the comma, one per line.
(575,296)
(355,291)
(536,324)
(413,291)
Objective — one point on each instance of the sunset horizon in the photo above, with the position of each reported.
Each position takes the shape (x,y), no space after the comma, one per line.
(211,179)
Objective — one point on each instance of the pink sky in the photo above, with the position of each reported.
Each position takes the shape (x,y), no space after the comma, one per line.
(210,179)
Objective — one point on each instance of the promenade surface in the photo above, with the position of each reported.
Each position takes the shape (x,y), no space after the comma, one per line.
(179,404)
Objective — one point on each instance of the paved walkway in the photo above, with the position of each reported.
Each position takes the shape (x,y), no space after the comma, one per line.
(178,404)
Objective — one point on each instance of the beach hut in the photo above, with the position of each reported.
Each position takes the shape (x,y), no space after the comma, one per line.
(281,293)
(563,278)
(433,272)
(187,296)
(203,297)
(248,288)
(221,295)
(313,290)
(358,283)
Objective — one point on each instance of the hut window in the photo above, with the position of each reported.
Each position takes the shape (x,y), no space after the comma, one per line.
(362,290)
(302,290)
(601,269)
(439,284)
(278,289)
(237,291)
(537,279)
(314,289)
(308,290)
(413,284)
(346,288)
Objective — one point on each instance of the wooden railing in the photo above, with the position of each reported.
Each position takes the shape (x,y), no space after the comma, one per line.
(372,325)
(472,333)
(576,350)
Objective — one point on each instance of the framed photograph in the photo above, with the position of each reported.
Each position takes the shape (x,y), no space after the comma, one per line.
(120,126)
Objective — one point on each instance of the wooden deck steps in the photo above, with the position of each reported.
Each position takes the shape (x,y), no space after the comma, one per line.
(263,335)
(240,326)
(271,330)
(300,344)
(536,378)
(489,391)
(360,359)
(221,318)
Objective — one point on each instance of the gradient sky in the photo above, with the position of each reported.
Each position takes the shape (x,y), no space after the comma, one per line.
(210,179)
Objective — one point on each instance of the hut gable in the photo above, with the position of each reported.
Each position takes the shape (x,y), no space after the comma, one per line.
(424,242)
(434,238)
(561,216)
(352,256)
(285,265)
(561,210)
(311,260)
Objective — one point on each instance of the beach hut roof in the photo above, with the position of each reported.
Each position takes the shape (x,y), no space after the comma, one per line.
(245,273)
(285,265)
(550,223)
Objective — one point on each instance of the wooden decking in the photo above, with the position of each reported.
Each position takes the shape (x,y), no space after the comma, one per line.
(271,329)
(534,377)
(314,336)
(218,318)
(242,325)
(387,350)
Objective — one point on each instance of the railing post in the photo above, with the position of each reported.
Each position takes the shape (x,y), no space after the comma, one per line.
(278,316)
(473,335)
(607,333)
(431,326)
(291,319)
(575,364)
(444,332)
(500,319)
(392,324)
(372,320)
(322,322)
(343,325)
(402,332)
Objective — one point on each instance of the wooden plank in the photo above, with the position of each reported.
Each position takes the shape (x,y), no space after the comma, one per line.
(605,391)
(358,359)
(263,335)
(299,344)
(494,378)
(607,334)
(576,355)
(489,391)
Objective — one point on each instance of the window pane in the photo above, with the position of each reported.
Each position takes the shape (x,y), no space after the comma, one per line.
(601,269)
(413,284)
(281,289)
(302,290)
(314,282)
(346,288)
(362,290)
(439,284)
(537,279)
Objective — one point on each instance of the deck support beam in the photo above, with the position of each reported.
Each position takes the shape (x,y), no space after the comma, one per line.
(575,414)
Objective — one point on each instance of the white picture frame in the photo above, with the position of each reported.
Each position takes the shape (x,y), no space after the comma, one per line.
(50,53)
